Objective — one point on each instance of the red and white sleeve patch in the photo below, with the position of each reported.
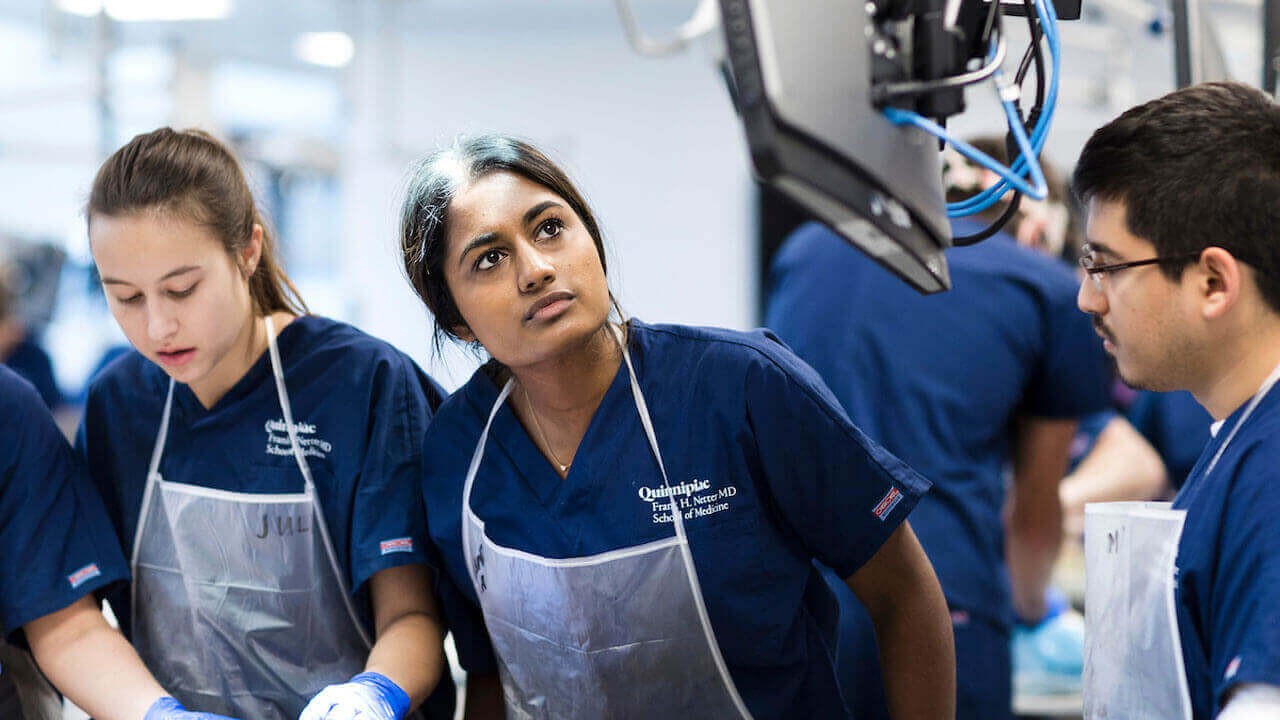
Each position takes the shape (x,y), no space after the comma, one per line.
(887,504)
(403,544)
(84,575)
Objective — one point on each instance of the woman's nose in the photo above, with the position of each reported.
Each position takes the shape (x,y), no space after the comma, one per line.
(536,270)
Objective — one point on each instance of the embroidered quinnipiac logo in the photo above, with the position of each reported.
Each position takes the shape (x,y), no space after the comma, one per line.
(887,504)
(696,498)
(278,442)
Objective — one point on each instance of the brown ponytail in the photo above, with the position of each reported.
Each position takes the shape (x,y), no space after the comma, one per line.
(190,172)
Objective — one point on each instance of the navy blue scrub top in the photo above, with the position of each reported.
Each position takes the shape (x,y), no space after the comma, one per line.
(361,406)
(736,413)
(1176,426)
(32,363)
(1228,567)
(939,380)
(57,543)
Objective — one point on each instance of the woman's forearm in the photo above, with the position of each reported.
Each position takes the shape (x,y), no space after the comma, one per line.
(409,652)
(901,593)
(91,663)
(917,659)
(409,649)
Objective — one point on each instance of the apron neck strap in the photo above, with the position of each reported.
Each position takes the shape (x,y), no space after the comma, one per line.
(277,369)
(478,455)
(642,406)
(1248,410)
(158,450)
(677,515)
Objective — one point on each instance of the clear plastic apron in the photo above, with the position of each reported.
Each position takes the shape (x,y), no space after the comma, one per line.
(623,634)
(239,606)
(1133,665)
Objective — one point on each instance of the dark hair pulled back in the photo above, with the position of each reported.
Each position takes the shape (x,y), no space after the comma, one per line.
(190,172)
(436,180)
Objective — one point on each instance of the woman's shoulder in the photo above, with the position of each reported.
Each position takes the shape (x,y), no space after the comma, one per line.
(19,401)
(758,365)
(720,348)
(312,334)
(464,412)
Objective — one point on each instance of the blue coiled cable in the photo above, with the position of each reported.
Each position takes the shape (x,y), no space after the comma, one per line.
(1029,147)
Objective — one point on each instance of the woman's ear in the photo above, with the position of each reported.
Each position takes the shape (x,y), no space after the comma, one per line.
(463,333)
(251,254)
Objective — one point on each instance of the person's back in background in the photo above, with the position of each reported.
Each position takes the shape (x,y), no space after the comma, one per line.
(961,385)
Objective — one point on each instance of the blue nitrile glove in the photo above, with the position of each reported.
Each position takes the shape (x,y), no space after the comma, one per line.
(367,696)
(167,708)
(1048,656)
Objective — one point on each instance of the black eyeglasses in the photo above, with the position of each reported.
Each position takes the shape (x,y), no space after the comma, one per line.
(1095,272)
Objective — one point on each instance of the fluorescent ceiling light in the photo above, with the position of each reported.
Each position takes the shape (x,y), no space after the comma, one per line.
(150,10)
(330,49)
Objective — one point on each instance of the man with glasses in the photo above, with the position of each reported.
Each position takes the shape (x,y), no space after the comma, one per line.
(1183,284)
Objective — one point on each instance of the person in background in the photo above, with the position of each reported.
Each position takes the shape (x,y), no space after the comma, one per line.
(1176,426)
(259,464)
(59,551)
(20,351)
(627,513)
(1183,284)
(1110,458)
(1114,463)
(992,375)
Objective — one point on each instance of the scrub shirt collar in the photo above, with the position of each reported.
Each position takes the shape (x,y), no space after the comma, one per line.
(1215,429)
(506,433)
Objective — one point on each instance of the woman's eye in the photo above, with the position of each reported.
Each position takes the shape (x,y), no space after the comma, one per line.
(131,300)
(488,259)
(183,293)
(550,228)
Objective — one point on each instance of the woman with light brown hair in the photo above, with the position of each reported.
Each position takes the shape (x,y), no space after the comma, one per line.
(259,463)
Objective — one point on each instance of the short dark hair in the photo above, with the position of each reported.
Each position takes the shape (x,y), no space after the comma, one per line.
(1197,168)
(424,218)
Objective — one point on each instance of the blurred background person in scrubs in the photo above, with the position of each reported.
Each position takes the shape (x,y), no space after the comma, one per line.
(989,378)
(59,555)
(20,349)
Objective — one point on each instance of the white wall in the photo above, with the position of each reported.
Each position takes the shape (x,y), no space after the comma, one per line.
(653,143)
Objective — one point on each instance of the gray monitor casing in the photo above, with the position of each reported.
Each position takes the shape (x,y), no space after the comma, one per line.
(802,79)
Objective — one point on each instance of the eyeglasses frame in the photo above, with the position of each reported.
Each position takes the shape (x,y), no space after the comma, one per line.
(1096,272)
